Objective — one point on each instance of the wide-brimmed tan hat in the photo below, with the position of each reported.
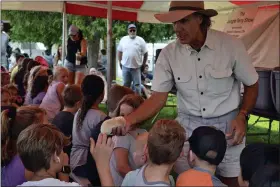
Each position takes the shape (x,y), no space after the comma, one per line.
(180,9)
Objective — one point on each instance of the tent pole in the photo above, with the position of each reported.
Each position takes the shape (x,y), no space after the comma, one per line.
(64,32)
(109,45)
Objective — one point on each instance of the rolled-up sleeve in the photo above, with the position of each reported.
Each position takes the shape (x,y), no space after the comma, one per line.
(163,76)
(244,70)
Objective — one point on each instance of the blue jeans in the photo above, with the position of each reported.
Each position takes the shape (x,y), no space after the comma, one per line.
(131,75)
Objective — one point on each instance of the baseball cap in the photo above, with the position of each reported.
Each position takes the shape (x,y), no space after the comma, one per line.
(131,26)
(208,144)
(73,30)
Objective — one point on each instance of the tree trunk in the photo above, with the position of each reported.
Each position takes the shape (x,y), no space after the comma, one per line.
(93,51)
(114,60)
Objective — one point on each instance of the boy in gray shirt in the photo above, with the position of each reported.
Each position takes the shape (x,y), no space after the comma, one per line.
(164,146)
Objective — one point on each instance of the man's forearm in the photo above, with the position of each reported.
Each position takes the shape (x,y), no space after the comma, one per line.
(145,58)
(120,58)
(249,98)
(148,109)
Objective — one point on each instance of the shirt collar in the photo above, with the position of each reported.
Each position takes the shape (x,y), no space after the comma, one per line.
(209,42)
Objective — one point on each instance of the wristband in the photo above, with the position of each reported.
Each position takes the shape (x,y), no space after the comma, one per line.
(66,169)
(245,113)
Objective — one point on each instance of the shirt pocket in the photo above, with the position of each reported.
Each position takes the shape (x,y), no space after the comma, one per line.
(185,84)
(219,81)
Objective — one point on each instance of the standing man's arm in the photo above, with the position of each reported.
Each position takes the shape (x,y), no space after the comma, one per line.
(245,72)
(120,58)
(162,84)
(120,52)
(144,61)
(145,52)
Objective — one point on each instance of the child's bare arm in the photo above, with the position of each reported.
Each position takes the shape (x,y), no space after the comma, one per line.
(121,155)
(101,152)
(59,91)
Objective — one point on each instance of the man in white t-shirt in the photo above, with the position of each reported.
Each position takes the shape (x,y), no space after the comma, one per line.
(130,51)
(4,44)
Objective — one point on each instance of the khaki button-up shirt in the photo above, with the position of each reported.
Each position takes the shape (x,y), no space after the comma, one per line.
(207,82)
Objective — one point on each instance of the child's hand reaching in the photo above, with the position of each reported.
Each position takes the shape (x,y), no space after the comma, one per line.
(102,149)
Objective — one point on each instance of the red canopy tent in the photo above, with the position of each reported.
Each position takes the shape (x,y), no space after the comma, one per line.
(141,11)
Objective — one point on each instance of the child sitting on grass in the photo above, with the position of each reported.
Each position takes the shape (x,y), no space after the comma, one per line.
(38,91)
(85,120)
(207,150)
(260,166)
(122,158)
(72,97)
(15,99)
(53,101)
(165,143)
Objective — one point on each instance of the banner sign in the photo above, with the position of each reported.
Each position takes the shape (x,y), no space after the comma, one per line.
(240,21)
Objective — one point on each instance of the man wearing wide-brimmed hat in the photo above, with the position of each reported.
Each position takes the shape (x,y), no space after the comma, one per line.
(206,66)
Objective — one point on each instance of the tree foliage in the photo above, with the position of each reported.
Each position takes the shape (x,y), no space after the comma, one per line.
(31,26)
(46,27)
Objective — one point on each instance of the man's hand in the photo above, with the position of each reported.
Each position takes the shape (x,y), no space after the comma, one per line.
(121,131)
(102,150)
(238,129)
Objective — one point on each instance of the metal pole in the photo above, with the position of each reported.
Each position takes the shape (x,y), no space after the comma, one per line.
(64,33)
(109,45)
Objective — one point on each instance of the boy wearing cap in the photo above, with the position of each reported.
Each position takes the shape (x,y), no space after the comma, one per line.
(130,51)
(207,150)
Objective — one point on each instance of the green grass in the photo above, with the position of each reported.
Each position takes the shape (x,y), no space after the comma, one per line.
(260,127)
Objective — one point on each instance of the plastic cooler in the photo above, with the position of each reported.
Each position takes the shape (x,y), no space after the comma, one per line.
(264,100)
(275,89)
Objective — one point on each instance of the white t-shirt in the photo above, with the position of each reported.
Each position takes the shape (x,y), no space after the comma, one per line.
(4,42)
(133,50)
(49,182)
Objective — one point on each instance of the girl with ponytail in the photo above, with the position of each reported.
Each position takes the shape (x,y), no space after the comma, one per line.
(87,117)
